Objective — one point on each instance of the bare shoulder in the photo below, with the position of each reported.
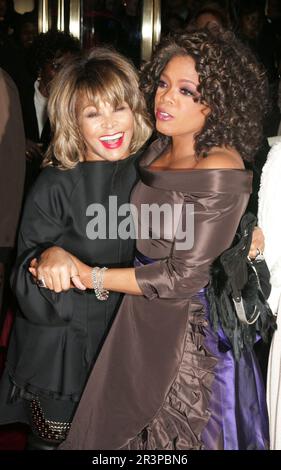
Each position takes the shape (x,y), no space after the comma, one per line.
(221,158)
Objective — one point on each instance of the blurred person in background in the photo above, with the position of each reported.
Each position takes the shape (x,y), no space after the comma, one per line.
(50,51)
(12,161)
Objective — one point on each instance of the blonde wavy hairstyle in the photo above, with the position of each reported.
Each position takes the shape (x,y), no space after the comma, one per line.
(102,74)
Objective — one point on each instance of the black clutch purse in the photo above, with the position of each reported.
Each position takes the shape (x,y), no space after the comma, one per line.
(238,290)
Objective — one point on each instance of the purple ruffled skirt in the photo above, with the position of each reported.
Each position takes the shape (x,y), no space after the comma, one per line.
(234,402)
(238,404)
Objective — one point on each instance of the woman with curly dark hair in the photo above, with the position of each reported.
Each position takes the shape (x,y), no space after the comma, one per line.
(164,378)
(231,84)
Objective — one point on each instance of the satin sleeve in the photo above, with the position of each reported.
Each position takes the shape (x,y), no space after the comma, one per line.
(41,227)
(185,272)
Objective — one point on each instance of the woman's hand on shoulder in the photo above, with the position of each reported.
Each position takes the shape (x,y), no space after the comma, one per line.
(220,159)
(56,269)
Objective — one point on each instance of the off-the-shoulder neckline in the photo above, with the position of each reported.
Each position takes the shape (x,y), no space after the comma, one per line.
(155,150)
(191,170)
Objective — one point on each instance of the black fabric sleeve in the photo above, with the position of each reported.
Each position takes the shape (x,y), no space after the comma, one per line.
(41,227)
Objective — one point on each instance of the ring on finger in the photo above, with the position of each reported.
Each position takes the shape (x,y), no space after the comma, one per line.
(259,255)
(41,283)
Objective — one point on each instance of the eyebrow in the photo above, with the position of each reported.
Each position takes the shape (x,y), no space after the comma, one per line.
(185,80)
(89,105)
(81,109)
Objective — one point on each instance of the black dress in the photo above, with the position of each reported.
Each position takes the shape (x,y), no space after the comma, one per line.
(56,337)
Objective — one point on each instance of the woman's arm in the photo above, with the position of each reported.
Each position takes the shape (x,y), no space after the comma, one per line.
(61,270)
(42,226)
(115,279)
(184,271)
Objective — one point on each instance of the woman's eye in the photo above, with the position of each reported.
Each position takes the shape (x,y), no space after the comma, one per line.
(120,108)
(161,84)
(187,92)
(92,114)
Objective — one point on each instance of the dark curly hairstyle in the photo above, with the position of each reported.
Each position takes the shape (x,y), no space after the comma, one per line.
(231,82)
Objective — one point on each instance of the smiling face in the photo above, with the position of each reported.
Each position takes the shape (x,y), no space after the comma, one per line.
(107,131)
(176,112)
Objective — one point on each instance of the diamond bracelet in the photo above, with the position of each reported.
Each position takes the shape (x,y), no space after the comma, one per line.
(97,277)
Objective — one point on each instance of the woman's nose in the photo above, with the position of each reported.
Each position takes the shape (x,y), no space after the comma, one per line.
(109,122)
(168,96)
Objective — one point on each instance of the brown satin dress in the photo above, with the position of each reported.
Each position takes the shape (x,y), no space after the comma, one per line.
(152,382)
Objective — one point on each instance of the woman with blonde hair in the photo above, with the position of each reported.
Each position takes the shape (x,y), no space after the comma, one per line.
(99,123)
